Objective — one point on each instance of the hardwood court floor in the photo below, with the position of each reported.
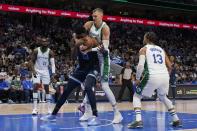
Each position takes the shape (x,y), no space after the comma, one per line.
(154,116)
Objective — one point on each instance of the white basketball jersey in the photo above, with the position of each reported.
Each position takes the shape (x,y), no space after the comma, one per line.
(104,62)
(155,60)
(42,61)
(96,32)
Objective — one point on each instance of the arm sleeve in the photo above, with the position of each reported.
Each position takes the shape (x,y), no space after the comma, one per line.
(52,60)
(140,67)
(105,44)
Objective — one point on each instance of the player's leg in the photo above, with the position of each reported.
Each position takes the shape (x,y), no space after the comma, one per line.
(162,94)
(145,88)
(90,83)
(46,82)
(105,68)
(48,98)
(36,82)
(137,123)
(85,108)
(117,115)
(73,82)
(70,86)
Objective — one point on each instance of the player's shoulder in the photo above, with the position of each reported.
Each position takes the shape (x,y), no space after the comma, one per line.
(88,25)
(106,25)
(142,51)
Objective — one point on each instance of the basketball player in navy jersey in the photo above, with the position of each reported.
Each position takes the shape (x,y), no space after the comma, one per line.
(86,71)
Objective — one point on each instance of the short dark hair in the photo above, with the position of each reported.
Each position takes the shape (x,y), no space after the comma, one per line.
(99,10)
(81,31)
(151,36)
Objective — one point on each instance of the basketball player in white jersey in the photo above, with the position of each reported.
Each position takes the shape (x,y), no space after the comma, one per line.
(42,59)
(152,74)
(101,31)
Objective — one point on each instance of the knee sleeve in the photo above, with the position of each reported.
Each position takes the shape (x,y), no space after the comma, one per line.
(166,101)
(137,101)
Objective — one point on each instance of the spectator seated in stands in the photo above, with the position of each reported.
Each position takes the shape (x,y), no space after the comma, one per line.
(16,92)
(27,85)
(24,70)
(4,90)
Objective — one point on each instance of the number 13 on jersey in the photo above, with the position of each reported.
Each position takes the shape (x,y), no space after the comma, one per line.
(157,58)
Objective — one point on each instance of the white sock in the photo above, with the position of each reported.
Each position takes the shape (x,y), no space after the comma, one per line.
(35,100)
(48,99)
(137,106)
(138,115)
(173,114)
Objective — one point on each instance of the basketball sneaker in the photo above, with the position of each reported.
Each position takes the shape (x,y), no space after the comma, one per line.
(177,123)
(117,118)
(48,118)
(85,116)
(94,121)
(35,112)
(135,124)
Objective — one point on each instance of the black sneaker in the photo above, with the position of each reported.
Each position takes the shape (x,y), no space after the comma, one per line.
(177,123)
(135,124)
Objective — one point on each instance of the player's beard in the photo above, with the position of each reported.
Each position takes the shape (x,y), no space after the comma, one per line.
(44,48)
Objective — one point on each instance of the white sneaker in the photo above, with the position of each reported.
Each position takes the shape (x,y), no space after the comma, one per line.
(35,112)
(49,111)
(94,121)
(117,118)
(85,116)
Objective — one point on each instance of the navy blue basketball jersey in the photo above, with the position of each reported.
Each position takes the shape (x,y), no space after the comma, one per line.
(88,61)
